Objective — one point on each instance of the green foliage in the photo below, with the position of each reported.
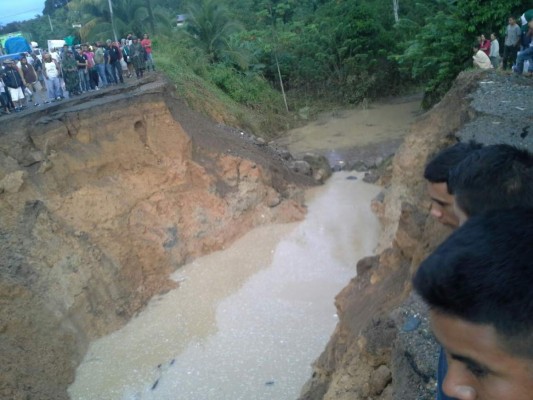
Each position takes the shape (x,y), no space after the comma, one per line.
(336,49)
(128,15)
(443,46)
(245,99)
(210,25)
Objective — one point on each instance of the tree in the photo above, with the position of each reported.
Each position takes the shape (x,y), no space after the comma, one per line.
(50,6)
(210,25)
(442,48)
(128,16)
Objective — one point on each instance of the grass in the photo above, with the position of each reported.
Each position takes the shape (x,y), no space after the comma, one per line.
(221,92)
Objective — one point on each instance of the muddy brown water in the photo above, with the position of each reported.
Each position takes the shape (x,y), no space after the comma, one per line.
(344,136)
(246,322)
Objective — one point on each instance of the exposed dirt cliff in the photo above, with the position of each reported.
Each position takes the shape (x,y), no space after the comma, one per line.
(99,200)
(382,347)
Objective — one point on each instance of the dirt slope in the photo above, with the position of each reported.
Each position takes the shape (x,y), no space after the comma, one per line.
(100,199)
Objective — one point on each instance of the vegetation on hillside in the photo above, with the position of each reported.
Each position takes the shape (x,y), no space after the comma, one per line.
(315,50)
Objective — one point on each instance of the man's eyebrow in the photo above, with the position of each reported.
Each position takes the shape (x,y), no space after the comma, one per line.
(440,202)
(469,361)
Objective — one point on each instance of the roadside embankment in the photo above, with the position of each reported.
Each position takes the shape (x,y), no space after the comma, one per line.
(382,347)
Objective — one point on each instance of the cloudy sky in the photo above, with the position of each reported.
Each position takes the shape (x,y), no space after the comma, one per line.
(19,10)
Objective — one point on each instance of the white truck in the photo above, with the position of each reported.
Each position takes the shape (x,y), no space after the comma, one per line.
(55,44)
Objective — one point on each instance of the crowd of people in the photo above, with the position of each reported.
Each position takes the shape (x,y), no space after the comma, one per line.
(71,71)
(517,49)
(478,282)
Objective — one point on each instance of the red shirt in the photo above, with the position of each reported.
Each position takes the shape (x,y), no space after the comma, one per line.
(147,44)
(485,46)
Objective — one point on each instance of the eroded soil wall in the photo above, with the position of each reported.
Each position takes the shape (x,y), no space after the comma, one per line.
(99,201)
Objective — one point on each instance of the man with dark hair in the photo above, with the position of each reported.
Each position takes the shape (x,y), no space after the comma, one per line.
(115,56)
(436,173)
(478,285)
(511,43)
(494,177)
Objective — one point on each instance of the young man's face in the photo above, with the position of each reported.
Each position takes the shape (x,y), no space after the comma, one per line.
(511,21)
(442,204)
(478,366)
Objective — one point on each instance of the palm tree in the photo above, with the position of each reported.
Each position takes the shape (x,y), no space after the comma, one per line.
(210,25)
(128,16)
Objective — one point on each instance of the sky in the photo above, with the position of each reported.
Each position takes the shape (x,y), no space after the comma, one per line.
(19,10)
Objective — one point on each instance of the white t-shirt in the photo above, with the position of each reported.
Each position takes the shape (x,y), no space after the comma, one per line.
(51,69)
(494,48)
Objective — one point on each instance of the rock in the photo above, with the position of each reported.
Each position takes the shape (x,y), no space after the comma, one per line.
(321,175)
(371,177)
(300,167)
(381,377)
(359,166)
(284,154)
(45,166)
(365,264)
(12,182)
(37,156)
(351,178)
(273,198)
(411,324)
(319,166)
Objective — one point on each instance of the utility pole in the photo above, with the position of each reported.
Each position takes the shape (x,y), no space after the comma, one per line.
(112,21)
(51,26)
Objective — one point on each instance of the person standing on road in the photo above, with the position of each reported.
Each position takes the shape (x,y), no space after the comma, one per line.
(31,80)
(511,44)
(51,72)
(15,83)
(70,74)
(494,51)
(83,73)
(99,62)
(126,53)
(91,69)
(137,57)
(147,45)
(527,52)
(114,61)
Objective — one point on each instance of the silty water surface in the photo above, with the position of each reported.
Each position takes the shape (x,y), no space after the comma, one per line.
(246,322)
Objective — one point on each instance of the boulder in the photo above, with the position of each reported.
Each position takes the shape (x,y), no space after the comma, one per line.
(12,182)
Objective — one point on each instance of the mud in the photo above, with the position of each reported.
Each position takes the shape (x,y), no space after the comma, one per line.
(357,137)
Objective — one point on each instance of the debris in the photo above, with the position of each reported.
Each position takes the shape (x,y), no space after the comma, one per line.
(411,324)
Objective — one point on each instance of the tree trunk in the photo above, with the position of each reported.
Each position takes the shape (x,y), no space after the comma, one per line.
(395,8)
(151,16)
